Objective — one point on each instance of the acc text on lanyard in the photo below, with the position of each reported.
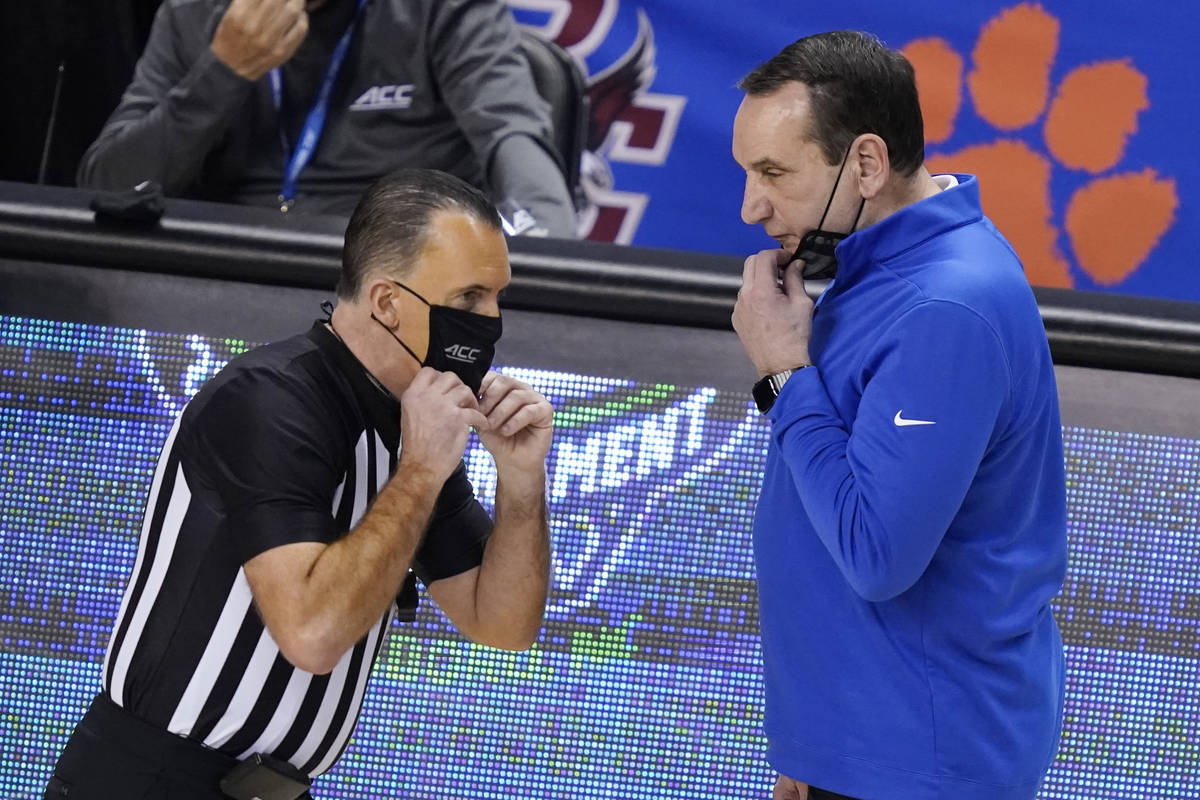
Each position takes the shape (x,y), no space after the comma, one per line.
(314,123)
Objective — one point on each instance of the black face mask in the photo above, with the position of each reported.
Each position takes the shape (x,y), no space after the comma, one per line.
(461,342)
(817,247)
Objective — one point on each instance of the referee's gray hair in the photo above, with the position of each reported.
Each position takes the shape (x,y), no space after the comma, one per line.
(390,223)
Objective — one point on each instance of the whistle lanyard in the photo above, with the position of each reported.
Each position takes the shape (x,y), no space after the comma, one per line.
(314,123)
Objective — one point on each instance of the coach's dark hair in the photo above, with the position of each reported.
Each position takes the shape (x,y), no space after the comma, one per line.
(389,226)
(856,85)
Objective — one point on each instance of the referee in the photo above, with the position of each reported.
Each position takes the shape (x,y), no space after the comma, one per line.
(293,496)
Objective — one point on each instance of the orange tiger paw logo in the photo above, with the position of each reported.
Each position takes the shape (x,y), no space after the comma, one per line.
(1115,219)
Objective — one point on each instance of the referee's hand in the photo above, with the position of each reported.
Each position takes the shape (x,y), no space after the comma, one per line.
(437,413)
(520,423)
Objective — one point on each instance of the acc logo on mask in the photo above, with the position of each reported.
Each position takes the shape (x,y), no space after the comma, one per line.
(460,352)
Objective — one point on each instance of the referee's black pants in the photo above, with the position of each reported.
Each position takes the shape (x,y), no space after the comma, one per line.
(113,754)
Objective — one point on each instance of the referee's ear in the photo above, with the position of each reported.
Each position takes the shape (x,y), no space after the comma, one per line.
(380,295)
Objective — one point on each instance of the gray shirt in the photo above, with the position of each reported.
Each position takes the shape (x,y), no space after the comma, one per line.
(430,83)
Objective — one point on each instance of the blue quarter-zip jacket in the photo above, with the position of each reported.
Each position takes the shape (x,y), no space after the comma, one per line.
(911,529)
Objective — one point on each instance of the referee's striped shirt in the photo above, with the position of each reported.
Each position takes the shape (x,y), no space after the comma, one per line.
(289,443)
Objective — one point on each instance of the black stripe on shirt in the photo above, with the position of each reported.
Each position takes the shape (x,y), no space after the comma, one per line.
(233,670)
(383,628)
(342,709)
(306,717)
(265,706)
(160,502)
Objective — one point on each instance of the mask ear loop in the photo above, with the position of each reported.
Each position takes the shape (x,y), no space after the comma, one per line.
(391,332)
(861,206)
(836,181)
(806,242)
(410,291)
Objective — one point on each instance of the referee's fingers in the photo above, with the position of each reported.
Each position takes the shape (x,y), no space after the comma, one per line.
(476,420)
(499,391)
(426,376)
(533,414)
(462,396)
(447,381)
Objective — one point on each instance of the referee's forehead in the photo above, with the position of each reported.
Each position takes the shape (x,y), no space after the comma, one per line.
(461,251)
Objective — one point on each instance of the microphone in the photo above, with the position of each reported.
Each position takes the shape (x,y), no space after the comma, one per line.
(58,81)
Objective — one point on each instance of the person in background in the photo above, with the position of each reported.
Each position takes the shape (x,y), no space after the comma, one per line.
(911,530)
(293,496)
(300,105)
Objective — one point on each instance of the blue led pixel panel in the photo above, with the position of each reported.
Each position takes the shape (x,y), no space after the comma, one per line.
(645,682)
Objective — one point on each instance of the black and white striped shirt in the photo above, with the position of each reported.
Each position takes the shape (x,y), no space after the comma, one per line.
(289,443)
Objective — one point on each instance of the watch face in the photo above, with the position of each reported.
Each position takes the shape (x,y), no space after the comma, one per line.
(767,389)
(764,394)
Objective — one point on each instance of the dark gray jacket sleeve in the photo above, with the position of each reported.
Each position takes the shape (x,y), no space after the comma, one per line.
(525,173)
(175,111)
(485,80)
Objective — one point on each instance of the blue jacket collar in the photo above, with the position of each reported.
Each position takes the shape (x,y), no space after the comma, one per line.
(907,228)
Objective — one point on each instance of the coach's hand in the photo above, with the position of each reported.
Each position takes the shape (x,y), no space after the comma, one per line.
(437,412)
(773,321)
(255,36)
(788,789)
(520,423)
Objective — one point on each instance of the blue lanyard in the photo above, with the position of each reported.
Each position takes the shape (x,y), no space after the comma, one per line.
(314,123)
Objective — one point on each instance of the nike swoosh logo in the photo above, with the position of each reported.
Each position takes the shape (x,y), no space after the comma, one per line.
(901,422)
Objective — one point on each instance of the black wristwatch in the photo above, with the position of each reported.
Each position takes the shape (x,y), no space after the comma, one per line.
(767,389)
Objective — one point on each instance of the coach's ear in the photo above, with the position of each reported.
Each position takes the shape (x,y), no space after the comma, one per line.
(874,166)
